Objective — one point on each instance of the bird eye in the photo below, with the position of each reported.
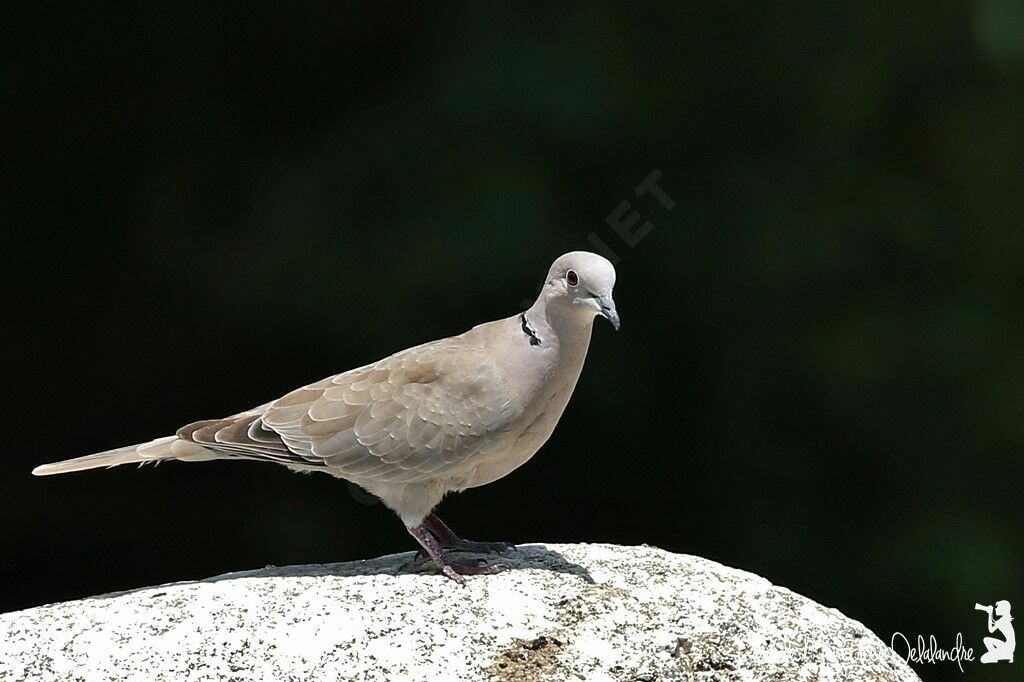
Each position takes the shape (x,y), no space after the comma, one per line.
(572,278)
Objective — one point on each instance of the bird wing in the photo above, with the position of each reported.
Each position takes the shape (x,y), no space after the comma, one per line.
(412,416)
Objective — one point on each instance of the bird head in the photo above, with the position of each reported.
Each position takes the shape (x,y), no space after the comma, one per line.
(581,283)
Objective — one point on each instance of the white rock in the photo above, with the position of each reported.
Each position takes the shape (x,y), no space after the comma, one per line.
(562,612)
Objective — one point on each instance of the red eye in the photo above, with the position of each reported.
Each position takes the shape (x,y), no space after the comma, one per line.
(572,278)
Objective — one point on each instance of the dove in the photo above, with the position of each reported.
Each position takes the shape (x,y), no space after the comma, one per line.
(441,417)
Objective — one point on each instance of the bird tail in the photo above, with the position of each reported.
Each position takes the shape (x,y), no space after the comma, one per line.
(169,447)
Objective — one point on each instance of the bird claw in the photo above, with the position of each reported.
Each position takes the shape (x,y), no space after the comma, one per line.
(431,539)
(447,538)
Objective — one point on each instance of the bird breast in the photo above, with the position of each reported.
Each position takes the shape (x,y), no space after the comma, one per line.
(537,422)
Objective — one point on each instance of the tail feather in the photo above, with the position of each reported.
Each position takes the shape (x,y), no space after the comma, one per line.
(169,447)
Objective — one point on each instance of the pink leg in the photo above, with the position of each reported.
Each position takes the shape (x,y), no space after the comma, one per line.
(451,568)
(449,540)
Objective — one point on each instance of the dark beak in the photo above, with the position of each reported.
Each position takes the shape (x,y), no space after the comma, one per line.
(609,311)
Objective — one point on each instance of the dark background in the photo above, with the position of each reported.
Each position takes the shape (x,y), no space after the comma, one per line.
(820,375)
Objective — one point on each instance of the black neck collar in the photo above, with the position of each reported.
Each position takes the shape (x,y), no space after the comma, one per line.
(530,332)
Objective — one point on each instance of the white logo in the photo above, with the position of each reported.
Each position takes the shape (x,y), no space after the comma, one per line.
(998,649)
(928,650)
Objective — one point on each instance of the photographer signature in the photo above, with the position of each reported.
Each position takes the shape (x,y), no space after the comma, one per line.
(996,650)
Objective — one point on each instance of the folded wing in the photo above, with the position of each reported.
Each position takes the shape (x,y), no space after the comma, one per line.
(415,415)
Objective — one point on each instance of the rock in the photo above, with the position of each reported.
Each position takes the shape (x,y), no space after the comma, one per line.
(561,612)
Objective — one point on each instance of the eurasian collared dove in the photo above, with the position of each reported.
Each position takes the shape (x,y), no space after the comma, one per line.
(448,415)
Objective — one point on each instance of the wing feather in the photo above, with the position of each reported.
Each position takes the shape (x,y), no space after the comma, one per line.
(412,416)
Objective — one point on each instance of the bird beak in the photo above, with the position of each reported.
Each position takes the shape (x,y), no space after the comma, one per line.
(609,311)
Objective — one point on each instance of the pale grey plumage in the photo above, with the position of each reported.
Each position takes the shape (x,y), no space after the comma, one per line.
(446,415)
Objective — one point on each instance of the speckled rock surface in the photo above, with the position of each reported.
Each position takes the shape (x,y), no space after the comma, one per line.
(561,612)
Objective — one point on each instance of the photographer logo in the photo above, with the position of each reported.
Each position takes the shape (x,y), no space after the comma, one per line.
(999,648)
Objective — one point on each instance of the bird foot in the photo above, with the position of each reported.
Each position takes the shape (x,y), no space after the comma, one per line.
(455,568)
(449,540)
(452,568)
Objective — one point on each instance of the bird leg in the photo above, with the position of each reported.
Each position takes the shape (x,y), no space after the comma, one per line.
(449,540)
(450,567)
